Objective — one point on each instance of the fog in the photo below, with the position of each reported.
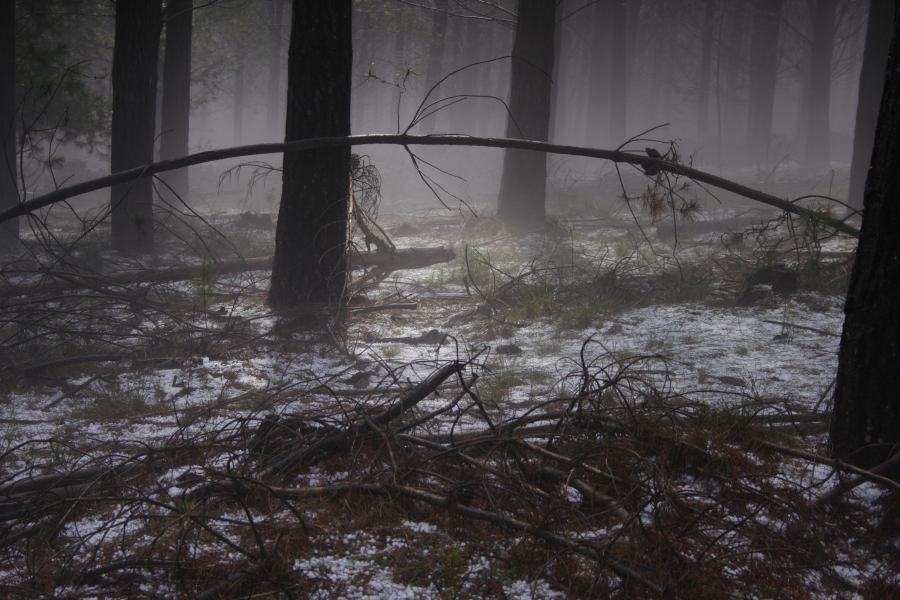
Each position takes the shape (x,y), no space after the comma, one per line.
(667,71)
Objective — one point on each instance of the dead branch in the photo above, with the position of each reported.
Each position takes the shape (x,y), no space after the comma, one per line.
(342,439)
(871,475)
(616,156)
(54,283)
(874,474)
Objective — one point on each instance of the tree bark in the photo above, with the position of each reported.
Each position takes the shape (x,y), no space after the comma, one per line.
(763,70)
(434,70)
(818,123)
(732,78)
(237,107)
(401,64)
(310,260)
(596,115)
(871,83)
(661,61)
(9,195)
(176,97)
(705,78)
(274,112)
(618,82)
(134,73)
(523,184)
(865,426)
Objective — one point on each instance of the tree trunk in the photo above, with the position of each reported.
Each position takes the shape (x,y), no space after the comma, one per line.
(763,70)
(9,195)
(434,71)
(237,112)
(618,81)
(523,183)
(134,73)
(399,71)
(871,83)
(310,262)
(865,426)
(597,109)
(706,51)
(176,97)
(274,111)
(661,62)
(730,81)
(818,123)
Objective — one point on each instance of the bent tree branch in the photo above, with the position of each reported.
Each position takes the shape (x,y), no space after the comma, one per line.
(405,140)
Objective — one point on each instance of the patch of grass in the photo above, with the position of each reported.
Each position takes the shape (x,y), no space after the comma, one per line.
(118,403)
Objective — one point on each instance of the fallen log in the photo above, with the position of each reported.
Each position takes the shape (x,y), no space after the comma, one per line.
(54,283)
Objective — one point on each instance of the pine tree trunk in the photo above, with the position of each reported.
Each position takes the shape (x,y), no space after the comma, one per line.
(435,68)
(734,64)
(237,107)
(523,183)
(658,90)
(274,113)
(176,96)
(9,196)
(818,128)
(310,261)
(399,73)
(703,89)
(766,17)
(597,117)
(871,83)
(865,426)
(618,81)
(134,74)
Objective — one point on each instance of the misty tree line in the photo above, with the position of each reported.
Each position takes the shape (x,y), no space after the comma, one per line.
(311,235)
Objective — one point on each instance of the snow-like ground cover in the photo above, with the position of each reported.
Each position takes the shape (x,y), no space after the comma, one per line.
(779,356)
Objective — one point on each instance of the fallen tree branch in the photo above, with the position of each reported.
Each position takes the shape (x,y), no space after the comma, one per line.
(873,474)
(804,327)
(405,258)
(836,464)
(617,156)
(499,520)
(338,440)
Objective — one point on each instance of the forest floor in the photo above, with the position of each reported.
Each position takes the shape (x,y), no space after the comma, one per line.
(598,410)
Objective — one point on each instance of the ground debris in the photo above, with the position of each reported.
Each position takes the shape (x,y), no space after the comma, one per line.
(620,489)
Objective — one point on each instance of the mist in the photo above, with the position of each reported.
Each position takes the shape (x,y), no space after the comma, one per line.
(665,71)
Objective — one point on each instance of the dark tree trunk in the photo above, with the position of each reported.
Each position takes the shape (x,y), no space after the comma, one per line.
(865,426)
(730,80)
(633,18)
(138,25)
(310,262)
(523,183)
(400,67)
(871,82)
(9,196)
(500,72)
(657,100)
(434,70)
(274,112)
(763,71)
(237,112)
(618,81)
(818,123)
(706,52)
(555,113)
(597,117)
(176,97)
